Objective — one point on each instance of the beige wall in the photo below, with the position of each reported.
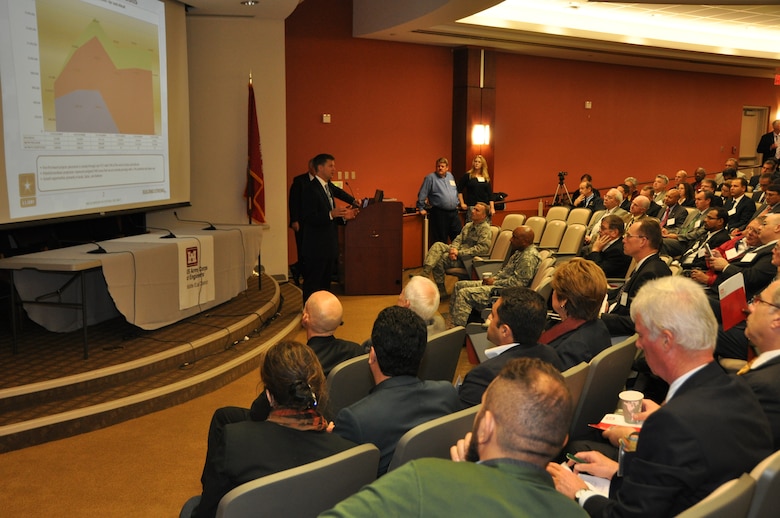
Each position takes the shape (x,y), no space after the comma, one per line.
(222,52)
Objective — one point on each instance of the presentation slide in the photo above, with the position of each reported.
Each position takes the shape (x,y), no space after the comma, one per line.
(84,104)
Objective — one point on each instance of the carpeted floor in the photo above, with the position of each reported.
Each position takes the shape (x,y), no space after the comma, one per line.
(148,466)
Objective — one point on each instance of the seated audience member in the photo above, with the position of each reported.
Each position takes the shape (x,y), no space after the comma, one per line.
(675,243)
(759,186)
(770,201)
(474,239)
(579,287)
(521,425)
(709,430)
(680,176)
(763,373)
(632,183)
(696,256)
(421,296)
(660,188)
(653,208)
(612,201)
(732,250)
(244,451)
(322,314)
(518,271)
(516,321)
(756,267)
(607,250)
(698,175)
(671,215)
(641,242)
(741,207)
(733,343)
(638,209)
(400,400)
(588,198)
(728,174)
(624,191)
(708,185)
(686,194)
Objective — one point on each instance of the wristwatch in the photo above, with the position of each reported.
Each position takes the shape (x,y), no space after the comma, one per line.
(580,493)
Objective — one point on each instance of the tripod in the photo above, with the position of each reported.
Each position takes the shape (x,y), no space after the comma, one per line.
(561,193)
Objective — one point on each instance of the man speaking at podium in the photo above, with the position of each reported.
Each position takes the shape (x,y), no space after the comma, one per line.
(320,217)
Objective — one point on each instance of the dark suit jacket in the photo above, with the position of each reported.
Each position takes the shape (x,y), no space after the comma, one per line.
(765,145)
(299,183)
(391,409)
(765,383)
(477,380)
(331,351)
(712,430)
(713,241)
(618,320)
(744,210)
(320,232)
(249,450)
(757,273)
(678,213)
(653,210)
(581,344)
(612,260)
(595,203)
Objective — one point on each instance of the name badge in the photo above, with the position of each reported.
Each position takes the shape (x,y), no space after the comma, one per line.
(624,299)
(731,253)
(748,257)
(670,222)
(697,224)
(452,182)
(733,211)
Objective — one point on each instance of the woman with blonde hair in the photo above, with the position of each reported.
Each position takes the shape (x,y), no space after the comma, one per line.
(474,186)
(295,432)
(579,288)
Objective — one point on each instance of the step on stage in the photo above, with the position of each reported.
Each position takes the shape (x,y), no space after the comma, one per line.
(48,391)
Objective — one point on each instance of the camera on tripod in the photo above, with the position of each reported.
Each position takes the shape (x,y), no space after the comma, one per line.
(562,196)
(561,176)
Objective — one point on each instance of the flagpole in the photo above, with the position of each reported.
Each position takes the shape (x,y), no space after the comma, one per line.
(250,184)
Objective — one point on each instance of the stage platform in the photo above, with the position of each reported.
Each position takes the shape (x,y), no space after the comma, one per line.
(48,391)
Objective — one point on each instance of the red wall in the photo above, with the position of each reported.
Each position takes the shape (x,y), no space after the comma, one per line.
(391,107)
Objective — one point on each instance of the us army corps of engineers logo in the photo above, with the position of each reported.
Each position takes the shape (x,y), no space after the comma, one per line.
(27,190)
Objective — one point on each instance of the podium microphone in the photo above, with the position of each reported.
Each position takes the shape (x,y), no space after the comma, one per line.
(354,204)
(98,250)
(209,227)
(170,235)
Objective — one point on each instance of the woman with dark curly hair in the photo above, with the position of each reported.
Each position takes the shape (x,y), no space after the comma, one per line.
(294,433)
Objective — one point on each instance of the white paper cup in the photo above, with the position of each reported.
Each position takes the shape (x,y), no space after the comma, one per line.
(631,405)
(487,275)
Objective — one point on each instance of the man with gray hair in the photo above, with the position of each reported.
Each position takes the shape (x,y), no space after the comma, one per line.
(421,296)
(612,201)
(659,187)
(710,428)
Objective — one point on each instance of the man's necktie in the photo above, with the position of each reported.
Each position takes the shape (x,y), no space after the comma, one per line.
(666,216)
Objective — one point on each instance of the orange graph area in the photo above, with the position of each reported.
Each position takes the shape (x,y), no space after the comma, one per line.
(127,93)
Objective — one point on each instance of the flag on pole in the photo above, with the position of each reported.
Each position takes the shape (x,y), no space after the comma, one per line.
(255,186)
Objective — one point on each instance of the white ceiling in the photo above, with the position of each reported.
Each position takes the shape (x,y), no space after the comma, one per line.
(731,39)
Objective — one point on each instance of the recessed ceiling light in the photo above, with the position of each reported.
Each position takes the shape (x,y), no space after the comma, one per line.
(249,2)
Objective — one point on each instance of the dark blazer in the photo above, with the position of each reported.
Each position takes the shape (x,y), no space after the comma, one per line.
(299,183)
(249,450)
(713,241)
(765,145)
(581,344)
(744,210)
(712,430)
(757,271)
(612,260)
(331,350)
(595,203)
(391,409)
(320,236)
(678,213)
(765,383)
(618,320)
(477,380)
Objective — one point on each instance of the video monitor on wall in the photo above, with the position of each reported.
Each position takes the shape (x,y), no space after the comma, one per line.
(85,109)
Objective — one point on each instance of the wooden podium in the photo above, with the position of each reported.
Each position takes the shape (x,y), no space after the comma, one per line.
(371,259)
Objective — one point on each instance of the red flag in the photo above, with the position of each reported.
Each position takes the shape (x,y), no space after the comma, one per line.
(255,186)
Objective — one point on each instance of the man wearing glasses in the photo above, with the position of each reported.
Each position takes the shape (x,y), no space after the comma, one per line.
(763,373)
(642,243)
